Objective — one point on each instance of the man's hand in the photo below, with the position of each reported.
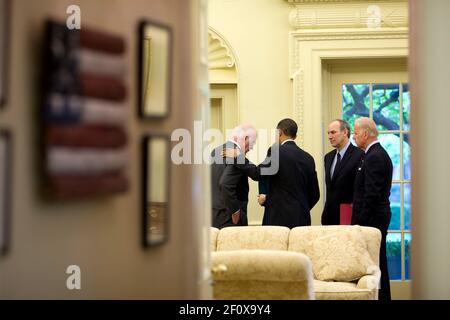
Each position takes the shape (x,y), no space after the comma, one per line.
(235,217)
(261,199)
(230,153)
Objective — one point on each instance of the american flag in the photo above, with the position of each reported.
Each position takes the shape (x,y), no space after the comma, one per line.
(84,113)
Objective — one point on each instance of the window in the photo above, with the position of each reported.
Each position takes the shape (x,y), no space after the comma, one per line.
(389,105)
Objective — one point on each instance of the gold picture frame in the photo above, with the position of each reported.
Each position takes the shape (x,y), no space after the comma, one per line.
(155,67)
(155,189)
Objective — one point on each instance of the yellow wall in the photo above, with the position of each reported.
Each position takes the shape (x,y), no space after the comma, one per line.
(103,237)
(257,31)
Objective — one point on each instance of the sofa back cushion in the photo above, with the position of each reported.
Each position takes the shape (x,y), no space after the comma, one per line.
(338,253)
(253,237)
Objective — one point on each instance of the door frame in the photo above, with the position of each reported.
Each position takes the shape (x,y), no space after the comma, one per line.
(309,49)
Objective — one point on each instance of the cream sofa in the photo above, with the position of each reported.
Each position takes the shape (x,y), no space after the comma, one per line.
(253,263)
(271,262)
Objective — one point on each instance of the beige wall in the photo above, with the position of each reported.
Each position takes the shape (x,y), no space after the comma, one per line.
(257,31)
(103,237)
(430,77)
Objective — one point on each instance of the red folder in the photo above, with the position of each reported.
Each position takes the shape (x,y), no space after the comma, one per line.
(345,211)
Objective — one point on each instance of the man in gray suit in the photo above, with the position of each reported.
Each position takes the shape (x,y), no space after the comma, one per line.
(230,187)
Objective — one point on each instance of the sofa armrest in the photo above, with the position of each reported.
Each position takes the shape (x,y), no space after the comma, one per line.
(370,281)
(263,265)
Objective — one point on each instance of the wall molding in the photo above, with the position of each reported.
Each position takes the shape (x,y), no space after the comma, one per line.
(298,83)
(350,26)
(220,55)
(334,1)
(349,14)
(350,34)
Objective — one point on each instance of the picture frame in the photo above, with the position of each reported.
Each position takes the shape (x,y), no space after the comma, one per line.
(155,189)
(4,48)
(155,46)
(5,190)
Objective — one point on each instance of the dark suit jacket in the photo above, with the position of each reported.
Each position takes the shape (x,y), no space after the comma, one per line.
(263,187)
(371,205)
(339,189)
(293,190)
(229,188)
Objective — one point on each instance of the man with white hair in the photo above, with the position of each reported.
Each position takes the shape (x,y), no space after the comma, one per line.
(230,187)
(371,205)
(293,189)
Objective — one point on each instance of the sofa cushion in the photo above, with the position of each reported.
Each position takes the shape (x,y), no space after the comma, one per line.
(340,256)
(264,265)
(372,237)
(254,237)
(337,254)
(341,291)
(213,238)
(262,290)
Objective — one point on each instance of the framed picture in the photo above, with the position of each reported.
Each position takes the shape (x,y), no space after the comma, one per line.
(155,68)
(4,47)
(155,189)
(5,189)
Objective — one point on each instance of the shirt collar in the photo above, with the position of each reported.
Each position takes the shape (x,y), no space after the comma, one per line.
(235,144)
(344,149)
(368,147)
(287,141)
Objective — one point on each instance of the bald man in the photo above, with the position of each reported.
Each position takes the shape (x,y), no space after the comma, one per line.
(371,205)
(340,171)
(229,185)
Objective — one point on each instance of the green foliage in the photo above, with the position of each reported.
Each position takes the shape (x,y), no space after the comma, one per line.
(348,103)
(386,102)
(394,248)
(395,217)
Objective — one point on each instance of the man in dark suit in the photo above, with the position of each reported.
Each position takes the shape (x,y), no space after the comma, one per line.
(371,205)
(263,189)
(341,165)
(229,185)
(293,188)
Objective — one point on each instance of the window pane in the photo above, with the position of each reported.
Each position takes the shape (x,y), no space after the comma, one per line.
(386,106)
(395,199)
(355,102)
(391,143)
(407,259)
(407,205)
(406,106)
(394,255)
(406,158)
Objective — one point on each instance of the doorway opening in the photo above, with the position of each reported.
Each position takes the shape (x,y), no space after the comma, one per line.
(379,89)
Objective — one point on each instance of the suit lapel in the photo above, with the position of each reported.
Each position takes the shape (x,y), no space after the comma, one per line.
(328,162)
(343,162)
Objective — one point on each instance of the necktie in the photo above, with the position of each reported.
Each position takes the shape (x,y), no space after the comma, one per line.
(338,160)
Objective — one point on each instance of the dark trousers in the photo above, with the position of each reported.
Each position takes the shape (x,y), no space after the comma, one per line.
(385,288)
